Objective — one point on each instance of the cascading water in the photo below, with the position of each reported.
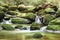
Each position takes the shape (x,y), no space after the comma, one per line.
(37,19)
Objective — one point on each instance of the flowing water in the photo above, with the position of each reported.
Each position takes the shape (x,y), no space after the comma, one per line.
(37,19)
(27,28)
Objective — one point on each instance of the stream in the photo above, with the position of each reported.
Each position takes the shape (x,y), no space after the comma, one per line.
(37,20)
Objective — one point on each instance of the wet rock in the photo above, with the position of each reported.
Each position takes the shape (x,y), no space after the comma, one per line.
(35,26)
(47,18)
(19,21)
(7,27)
(53,27)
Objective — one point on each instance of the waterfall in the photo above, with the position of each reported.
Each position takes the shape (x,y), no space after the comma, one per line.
(42,29)
(37,19)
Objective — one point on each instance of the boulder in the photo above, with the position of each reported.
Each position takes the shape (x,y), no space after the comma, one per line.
(19,26)
(12,8)
(7,27)
(53,27)
(35,26)
(37,35)
(19,21)
(55,21)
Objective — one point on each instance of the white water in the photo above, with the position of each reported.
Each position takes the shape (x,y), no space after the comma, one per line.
(42,29)
(37,19)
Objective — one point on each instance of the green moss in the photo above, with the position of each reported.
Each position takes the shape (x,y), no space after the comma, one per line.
(19,26)
(7,27)
(7,17)
(35,26)
(47,18)
(47,10)
(12,8)
(2,8)
(55,21)
(30,8)
(12,12)
(27,15)
(53,27)
(37,35)
(20,21)
(30,15)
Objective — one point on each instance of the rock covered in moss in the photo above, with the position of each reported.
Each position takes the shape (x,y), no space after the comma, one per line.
(12,8)
(55,21)
(35,26)
(53,27)
(2,8)
(37,35)
(29,15)
(30,8)
(7,17)
(12,12)
(49,10)
(7,27)
(47,18)
(19,21)
(21,7)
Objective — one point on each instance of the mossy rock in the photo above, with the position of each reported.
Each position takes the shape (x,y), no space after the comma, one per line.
(37,35)
(19,26)
(2,8)
(7,17)
(2,14)
(21,7)
(12,8)
(27,15)
(47,18)
(4,5)
(30,8)
(7,27)
(49,10)
(12,12)
(35,26)
(19,21)
(53,27)
(55,21)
